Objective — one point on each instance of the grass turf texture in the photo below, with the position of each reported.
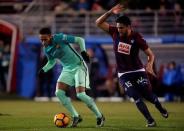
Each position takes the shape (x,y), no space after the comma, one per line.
(24,115)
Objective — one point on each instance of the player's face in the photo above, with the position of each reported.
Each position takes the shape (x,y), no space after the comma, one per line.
(122,29)
(45,39)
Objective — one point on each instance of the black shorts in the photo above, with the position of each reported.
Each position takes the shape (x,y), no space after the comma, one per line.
(136,84)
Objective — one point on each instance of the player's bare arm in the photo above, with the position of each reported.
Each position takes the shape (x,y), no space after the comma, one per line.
(149,65)
(101,21)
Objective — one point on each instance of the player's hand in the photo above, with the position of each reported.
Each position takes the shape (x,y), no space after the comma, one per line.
(85,56)
(41,72)
(117,9)
(149,69)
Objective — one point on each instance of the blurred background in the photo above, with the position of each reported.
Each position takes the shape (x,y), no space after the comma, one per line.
(161,22)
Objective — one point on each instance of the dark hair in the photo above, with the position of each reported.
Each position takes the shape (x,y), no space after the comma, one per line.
(45,31)
(124,20)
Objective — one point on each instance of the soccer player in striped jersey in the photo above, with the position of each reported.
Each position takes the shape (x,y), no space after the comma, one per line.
(131,72)
(74,72)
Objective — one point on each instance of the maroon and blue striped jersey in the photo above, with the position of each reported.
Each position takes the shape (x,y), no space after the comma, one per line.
(127,50)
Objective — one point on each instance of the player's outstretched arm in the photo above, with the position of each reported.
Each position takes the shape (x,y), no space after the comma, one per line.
(47,67)
(74,40)
(50,64)
(81,43)
(101,21)
(78,40)
(149,65)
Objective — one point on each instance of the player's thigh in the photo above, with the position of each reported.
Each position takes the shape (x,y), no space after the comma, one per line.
(62,86)
(82,77)
(144,87)
(133,93)
(129,87)
(147,93)
(67,77)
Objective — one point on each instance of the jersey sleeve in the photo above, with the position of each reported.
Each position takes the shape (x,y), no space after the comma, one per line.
(81,42)
(59,38)
(50,63)
(141,42)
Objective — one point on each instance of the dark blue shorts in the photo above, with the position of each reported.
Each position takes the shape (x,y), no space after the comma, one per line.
(136,85)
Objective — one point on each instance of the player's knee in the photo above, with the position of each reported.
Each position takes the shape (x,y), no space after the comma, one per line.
(59,92)
(56,93)
(152,98)
(61,96)
(85,98)
(81,95)
(139,100)
(155,99)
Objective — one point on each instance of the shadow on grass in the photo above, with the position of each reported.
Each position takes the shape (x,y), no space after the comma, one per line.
(4,114)
(10,96)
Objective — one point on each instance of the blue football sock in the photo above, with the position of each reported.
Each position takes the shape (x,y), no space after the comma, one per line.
(90,103)
(66,102)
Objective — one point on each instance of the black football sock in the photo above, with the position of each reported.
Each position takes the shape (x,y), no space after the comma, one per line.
(154,99)
(159,106)
(143,109)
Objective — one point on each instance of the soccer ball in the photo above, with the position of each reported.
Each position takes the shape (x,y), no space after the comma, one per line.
(61,120)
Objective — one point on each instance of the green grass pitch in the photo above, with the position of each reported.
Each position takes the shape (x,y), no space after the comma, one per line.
(25,115)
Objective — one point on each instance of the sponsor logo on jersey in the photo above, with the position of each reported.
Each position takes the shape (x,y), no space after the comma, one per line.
(124,48)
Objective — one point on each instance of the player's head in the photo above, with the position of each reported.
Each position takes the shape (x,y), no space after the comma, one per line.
(45,36)
(123,23)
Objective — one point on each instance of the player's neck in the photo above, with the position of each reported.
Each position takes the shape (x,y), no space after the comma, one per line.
(129,32)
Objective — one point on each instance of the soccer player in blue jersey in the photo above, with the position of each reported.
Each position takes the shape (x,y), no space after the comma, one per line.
(131,72)
(74,73)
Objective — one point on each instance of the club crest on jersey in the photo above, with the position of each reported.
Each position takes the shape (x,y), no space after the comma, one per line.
(124,48)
